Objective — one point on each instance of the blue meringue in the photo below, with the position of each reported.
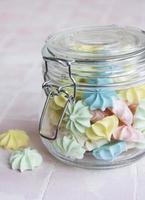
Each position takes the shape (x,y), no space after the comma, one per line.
(100,99)
(109,151)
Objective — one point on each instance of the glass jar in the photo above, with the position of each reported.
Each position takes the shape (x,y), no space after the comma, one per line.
(94,81)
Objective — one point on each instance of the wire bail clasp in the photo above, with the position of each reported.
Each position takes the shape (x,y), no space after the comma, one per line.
(52,90)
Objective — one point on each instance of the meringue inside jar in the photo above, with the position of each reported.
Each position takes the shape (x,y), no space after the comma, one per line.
(94,115)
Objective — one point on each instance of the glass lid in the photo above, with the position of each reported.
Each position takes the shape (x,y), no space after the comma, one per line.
(95,43)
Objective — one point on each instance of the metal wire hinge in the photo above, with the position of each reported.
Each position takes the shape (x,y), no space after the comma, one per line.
(52,90)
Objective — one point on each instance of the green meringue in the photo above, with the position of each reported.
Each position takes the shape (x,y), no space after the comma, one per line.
(69,147)
(26,159)
(77,117)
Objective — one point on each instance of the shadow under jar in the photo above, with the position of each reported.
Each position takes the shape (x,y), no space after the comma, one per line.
(94,81)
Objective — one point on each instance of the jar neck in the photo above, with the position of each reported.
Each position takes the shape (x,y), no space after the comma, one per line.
(118,72)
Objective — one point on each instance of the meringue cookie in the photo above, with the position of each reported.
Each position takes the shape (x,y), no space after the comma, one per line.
(14,139)
(60,100)
(103,129)
(133,107)
(52,105)
(77,117)
(100,99)
(26,159)
(69,147)
(133,95)
(109,151)
(129,134)
(87,144)
(91,145)
(121,110)
(139,117)
(98,115)
(54,116)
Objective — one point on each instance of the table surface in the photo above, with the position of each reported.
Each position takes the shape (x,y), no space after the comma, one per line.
(24,25)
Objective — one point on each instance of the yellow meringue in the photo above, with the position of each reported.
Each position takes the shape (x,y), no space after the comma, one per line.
(14,139)
(103,129)
(52,105)
(133,95)
(60,100)
(54,116)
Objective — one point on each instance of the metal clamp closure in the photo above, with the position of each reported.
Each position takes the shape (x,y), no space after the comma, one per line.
(52,90)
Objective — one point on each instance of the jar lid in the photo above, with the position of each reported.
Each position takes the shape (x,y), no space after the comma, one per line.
(95,43)
(111,52)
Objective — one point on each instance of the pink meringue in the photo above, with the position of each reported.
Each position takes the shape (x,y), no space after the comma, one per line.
(121,110)
(99,115)
(133,107)
(129,134)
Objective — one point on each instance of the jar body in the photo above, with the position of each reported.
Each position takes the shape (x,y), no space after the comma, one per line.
(90,118)
(99,139)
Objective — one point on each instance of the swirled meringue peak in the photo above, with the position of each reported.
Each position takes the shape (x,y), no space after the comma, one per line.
(109,151)
(129,134)
(68,146)
(77,117)
(121,110)
(26,159)
(139,117)
(100,99)
(103,129)
(133,95)
(14,139)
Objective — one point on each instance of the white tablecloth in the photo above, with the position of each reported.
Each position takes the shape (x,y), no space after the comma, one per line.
(24,25)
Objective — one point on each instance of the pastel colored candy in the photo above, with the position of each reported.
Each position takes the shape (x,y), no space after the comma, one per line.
(26,159)
(139,117)
(133,95)
(133,107)
(129,134)
(91,145)
(14,139)
(52,105)
(77,117)
(87,144)
(121,110)
(110,151)
(68,146)
(54,116)
(98,115)
(103,129)
(60,100)
(100,99)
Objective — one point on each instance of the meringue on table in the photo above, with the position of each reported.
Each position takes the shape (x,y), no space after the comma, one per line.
(26,159)
(14,139)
